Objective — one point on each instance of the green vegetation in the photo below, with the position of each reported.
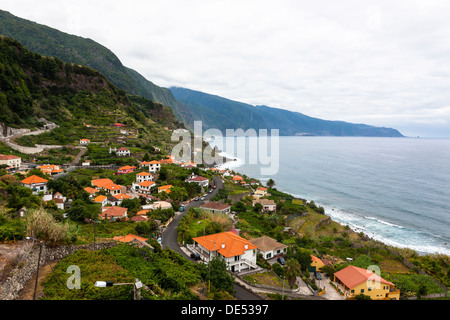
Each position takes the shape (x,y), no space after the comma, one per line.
(165,273)
(80,51)
(35,87)
(198,222)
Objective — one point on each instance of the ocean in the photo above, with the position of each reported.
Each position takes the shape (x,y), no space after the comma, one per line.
(395,190)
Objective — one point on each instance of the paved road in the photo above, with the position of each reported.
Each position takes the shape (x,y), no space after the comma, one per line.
(169,240)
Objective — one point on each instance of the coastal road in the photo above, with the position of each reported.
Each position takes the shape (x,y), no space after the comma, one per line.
(170,235)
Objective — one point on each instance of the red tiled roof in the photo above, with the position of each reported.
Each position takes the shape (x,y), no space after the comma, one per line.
(215,205)
(199,178)
(8,157)
(113,211)
(353,276)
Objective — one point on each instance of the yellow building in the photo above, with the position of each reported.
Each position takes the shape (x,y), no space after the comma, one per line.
(316,263)
(354,281)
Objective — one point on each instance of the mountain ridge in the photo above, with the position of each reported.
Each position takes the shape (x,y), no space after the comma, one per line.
(210,109)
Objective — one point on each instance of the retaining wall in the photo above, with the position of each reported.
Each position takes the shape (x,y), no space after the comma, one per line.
(26,267)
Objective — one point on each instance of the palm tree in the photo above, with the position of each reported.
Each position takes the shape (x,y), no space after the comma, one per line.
(291,272)
(270,183)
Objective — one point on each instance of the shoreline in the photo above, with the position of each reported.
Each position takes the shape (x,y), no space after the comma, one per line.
(355,229)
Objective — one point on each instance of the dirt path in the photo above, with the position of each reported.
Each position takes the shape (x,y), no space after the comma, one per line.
(27,292)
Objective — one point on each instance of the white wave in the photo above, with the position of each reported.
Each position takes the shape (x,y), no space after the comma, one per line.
(384,222)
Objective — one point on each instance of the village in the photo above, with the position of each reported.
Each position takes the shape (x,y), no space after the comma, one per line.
(217,192)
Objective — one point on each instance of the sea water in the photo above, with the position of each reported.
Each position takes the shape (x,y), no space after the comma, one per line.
(395,190)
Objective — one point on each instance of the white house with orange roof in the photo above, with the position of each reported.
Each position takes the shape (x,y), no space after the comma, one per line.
(165,189)
(144,176)
(50,169)
(10,161)
(238,253)
(91,191)
(145,187)
(84,142)
(59,199)
(123,152)
(153,166)
(102,200)
(35,183)
(126,169)
(109,186)
(238,179)
(260,192)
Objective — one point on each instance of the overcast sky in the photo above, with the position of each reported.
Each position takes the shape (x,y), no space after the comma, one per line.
(384,63)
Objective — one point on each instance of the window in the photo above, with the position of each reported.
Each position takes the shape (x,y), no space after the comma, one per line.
(362,290)
(370,289)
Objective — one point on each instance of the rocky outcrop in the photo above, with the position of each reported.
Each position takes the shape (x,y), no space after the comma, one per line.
(6,131)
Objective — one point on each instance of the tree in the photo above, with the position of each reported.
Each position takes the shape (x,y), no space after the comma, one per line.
(303,256)
(218,276)
(81,210)
(146,157)
(257,207)
(178,194)
(270,183)
(292,270)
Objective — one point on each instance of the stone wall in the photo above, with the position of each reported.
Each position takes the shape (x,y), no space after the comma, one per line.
(26,267)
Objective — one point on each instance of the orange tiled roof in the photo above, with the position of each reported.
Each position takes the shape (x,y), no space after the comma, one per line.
(102,182)
(100,199)
(90,190)
(129,237)
(238,178)
(315,259)
(233,244)
(147,183)
(353,276)
(106,184)
(34,179)
(144,174)
(143,212)
(122,196)
(127,168)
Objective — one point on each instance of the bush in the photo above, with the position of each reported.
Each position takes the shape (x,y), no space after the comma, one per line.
(42,225)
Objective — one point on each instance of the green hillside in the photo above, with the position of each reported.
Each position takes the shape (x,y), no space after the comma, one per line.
(33,87)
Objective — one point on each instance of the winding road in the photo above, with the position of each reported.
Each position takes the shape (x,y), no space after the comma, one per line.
(170,235)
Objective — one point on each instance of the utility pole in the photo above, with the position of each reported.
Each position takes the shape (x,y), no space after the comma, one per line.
(37,270)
